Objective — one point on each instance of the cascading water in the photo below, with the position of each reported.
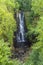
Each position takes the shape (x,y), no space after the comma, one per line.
(21,28)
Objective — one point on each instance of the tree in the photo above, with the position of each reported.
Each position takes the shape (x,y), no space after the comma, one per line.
(24,4)
(37,6)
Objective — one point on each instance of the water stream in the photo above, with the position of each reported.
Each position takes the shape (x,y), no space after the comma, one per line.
(20,45)
(21,28)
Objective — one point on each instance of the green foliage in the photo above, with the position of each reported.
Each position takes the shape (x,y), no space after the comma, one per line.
(7,21)
(33,20)
(37,6)
(36,56)
(24,4)
(11,5)
(39,29)
(7,29)
(5,54)
(34,24)
(31,23)
(7,25)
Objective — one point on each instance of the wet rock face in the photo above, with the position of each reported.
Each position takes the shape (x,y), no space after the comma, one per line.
(21,28)
(20,34)
(20,53)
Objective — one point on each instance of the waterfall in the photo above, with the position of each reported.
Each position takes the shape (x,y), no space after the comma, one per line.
(21,28)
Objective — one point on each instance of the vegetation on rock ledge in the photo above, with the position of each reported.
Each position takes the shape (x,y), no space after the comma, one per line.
(34,22)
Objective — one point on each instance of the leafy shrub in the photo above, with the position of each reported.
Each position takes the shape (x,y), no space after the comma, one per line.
(34,21)
(7,25)
(7,29)
(12,5)
(36,56)
(37,6)
(7,21)
(24,5)
(5,53)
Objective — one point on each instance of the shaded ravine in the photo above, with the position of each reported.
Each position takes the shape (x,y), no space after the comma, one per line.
(21,31)
(21,48)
